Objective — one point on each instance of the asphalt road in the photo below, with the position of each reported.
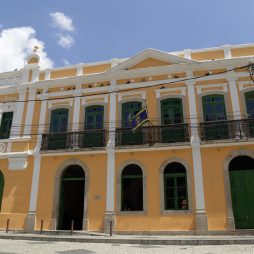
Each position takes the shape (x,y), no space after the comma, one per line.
(34,247)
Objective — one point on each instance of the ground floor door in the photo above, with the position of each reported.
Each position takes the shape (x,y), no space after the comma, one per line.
(242,193)
(71,204)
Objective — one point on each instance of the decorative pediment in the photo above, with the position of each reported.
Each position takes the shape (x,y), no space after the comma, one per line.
(151,58)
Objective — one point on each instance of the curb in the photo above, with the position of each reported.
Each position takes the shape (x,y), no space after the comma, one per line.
(242,241)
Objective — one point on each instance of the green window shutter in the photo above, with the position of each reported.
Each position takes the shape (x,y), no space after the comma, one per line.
(249,100)
(58,126)
(214,111)
(6,124)
(129,110)
(172,114)
(214,107)
(175,191)
(1,188)
(94,120)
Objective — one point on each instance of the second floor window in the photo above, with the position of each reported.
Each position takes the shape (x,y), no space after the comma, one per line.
(94,124)
(214,108)
(249,100)
(171,111)
(58,128)
(6,123)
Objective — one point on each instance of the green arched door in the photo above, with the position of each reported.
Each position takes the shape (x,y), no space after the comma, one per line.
(241,173)
(1,188)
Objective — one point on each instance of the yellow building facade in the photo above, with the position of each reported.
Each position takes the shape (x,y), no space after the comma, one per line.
(68,153)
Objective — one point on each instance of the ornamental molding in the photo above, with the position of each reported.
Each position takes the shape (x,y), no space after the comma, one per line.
(170,91)
(17,163)
(94,99)
(65,102)
(11,81)
(2,147)
(135,94)
(214,87)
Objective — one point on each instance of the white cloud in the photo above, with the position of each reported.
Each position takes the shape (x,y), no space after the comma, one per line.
(65,41)
(66,62)
(61,21)
(16,44)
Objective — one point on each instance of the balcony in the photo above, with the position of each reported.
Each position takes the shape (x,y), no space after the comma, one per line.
(74,140)
(152,134)
(234,129)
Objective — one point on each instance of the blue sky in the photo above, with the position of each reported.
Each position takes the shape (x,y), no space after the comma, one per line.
(105,29)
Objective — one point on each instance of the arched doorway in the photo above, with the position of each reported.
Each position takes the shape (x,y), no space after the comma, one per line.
(241,174)
(1,188)
(72,193)
(132,188)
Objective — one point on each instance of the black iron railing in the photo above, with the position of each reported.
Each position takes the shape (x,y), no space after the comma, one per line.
(153,134)
(233,129)
(74,140)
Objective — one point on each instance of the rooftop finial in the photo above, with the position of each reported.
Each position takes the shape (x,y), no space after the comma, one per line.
(36,49)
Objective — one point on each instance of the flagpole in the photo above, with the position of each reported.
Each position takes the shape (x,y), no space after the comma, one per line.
(150,125)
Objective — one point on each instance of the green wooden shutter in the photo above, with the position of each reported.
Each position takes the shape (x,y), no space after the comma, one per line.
(94,121)
(175,191)
(214,111)
(171,114)
(6,124)
(242,193)
(1,188)
(58,127)
(249,100)
(129,110)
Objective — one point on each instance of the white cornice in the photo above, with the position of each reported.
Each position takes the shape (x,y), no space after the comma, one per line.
(158,92)
(215,87)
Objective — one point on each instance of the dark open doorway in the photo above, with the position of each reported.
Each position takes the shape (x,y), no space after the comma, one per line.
(71,204)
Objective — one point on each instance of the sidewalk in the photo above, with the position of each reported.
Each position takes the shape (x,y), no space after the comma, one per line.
(88,237)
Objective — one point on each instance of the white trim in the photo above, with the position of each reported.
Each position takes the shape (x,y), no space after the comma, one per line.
(234,98)
(67,102)
(242,84)
(29,112)
(133,94)
(73,152)
(223,85)
(175,89)
(95,99)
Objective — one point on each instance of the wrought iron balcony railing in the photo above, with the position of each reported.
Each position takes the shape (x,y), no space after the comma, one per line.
(233,129)
(74,140)
(153,134)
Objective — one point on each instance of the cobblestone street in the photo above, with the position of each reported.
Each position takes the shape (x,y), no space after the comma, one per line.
(36,247)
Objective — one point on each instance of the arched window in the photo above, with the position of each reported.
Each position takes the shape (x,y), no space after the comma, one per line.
(241,175)
(1,188)
(214,111)
(94,122)
(171,120)
(175,187)
(132,188)
(58,128)
(129,110)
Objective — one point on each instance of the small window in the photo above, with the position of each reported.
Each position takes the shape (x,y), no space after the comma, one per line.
(175,187)
(6,123)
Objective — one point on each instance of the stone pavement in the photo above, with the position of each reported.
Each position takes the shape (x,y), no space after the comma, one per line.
(87,237)
(45,247)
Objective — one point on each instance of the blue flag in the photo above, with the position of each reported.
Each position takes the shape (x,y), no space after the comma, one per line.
(139,119)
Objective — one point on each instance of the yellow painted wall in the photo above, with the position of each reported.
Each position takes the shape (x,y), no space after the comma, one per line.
(209,55)
(63,73)
(96,165)
(16,196)
(149,62)
(96,68)
(153,220)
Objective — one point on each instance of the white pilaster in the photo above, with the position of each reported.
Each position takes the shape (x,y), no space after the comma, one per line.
(18,115)
(201,216)
(234,98)
(47,74)
(76,110)
(35,74)
(30,112)
(110,195)
(80,70)
(227,51)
